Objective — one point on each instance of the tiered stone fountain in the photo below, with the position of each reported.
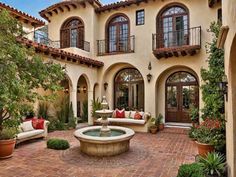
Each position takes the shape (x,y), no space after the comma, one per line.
(104,140)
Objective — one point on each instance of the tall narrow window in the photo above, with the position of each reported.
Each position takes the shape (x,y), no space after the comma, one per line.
(172,26)
(140,17)
(72,33)
(118,34)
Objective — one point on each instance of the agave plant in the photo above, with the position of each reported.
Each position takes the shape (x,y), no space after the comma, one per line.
(213,164)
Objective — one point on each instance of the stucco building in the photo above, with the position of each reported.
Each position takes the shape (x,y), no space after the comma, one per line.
(141,54)
(144,55)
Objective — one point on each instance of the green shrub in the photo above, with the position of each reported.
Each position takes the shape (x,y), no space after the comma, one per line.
(58,144)
(85,111)
(43,110)
(96,105)
(55,124)
(191,170)
(71,118)
(8,133)
(213,164)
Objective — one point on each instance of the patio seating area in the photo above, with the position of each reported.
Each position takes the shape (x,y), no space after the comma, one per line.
(150,155)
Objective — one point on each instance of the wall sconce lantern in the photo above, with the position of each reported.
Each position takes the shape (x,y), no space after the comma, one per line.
(223,85)
(150,66)
(105,86)
(84,89)
(149,77)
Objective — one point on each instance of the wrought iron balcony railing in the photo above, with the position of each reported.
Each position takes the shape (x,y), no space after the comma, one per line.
(179,38)
(116,46)
(40,38)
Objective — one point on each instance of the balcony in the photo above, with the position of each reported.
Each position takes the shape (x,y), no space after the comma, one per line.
(43,39)
(116,46)
(177,43)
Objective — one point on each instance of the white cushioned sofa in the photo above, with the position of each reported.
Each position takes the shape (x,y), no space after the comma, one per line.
(27,132)
(138,125)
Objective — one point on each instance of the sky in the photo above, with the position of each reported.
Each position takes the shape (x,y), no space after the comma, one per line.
(32,7)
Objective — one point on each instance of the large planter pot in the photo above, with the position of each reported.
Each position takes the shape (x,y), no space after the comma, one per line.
(7,148)
(161,127)
(153,129)
(204,149)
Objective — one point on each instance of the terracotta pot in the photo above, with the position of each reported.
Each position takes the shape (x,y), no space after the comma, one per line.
(204,149)
(161,127)
(153,129)
(7,148)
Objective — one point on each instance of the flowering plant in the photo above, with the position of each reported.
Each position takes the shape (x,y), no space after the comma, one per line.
(211,131)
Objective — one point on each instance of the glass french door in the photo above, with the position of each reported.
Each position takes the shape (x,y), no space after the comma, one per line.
(180,94)
(118,34)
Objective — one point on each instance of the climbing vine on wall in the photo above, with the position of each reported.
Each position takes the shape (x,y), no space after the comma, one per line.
(212,96)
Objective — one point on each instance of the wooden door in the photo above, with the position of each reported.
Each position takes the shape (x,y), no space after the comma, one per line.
(181,93)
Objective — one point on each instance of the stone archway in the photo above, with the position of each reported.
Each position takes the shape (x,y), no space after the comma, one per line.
(82,98)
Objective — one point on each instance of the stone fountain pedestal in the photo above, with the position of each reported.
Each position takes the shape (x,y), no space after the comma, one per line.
(105,144)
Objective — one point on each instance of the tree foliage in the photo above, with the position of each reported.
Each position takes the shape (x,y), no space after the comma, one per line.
(22,72)
(212,96)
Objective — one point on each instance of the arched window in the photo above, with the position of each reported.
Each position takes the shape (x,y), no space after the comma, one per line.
(72,33)
(172,26)
(129,89)
(182,92)
(118,34)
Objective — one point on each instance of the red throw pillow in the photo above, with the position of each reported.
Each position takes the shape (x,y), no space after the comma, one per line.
(138,116)
(34,122)
(38,123)
(120,113)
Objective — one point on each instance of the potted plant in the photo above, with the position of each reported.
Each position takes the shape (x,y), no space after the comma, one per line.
(96,105)
(213,165)
(161,122)
(8,138)
(192,134)
(154,127)
(207,135)
(194,115)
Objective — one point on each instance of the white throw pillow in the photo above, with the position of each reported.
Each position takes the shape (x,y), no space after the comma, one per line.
(127,114)
(132,114)
(27,126)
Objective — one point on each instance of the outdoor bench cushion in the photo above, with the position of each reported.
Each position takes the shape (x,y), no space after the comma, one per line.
(126,120)
(28,134)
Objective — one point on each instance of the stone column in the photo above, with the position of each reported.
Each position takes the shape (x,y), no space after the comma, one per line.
(90,98)
(73,100)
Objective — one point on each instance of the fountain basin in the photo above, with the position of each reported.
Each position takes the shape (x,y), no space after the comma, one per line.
(94,145)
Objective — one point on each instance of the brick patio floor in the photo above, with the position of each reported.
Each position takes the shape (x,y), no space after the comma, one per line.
(150,155)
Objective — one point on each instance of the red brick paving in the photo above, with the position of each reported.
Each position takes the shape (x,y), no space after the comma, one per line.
(150,155)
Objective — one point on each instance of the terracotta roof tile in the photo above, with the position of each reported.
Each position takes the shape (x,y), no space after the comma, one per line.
(17,13)
(63,55)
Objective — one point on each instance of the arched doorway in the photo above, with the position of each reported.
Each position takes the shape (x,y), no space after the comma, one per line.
(82,99)
(182,91)
(129,89)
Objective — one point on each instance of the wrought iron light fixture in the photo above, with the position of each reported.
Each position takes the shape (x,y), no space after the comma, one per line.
(84,89)
(105,86)
(223,85)
(149,77)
